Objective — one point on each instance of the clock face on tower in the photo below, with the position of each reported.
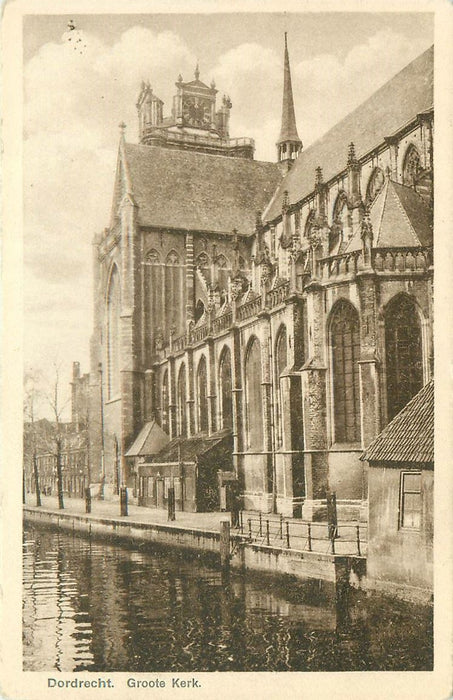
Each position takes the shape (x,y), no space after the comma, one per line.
(196,112)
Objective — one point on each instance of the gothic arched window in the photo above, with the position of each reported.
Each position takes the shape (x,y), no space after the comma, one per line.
(222,262)
(375,185)
(309,223)
(182,402)
(202,391)
(340,210)
(281,362)
(113,334)
(154,314)
(403,353)
(202,259)
(254,403)
(173,290)
(345,347)
(341,222)
(165,403)
(411,166)
(199,310)
(226,403)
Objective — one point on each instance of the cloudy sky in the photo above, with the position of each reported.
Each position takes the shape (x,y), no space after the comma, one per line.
(76,97)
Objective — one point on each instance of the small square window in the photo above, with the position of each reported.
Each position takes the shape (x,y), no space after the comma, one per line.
(411,500)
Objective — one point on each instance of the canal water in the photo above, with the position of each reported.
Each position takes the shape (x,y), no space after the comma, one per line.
(93,606)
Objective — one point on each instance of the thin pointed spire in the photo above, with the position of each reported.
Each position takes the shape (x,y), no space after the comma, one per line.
(197,72)
(288,131)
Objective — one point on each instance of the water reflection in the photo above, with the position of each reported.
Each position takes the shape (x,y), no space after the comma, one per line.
(93,606)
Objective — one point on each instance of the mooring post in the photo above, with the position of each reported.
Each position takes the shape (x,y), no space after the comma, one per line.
(358,540)
(123,500)
(332,515)
(171,504)
(88,500)
(225,543)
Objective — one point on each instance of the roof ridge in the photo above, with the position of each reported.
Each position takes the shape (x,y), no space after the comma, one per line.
(395,103)
(143,147)
(405,214)
(424,398)
(385,195)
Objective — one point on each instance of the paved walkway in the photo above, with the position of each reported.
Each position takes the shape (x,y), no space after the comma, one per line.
(272,530)
(111,509)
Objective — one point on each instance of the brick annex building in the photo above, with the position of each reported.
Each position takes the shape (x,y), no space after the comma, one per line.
(263,319)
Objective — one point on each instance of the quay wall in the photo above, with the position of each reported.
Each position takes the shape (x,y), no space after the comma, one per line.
(244,554)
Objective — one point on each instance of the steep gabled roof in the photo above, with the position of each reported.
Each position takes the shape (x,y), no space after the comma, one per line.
(196,191)
(409,437)
(149,441)
(191,449)
(399,217)
(394,105)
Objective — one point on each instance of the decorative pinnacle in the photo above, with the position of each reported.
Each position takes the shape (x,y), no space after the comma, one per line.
(367,228)
(122,127)
(212,84)
(285,201)
(288,131)
(351,154)
(197,72)
(318,176)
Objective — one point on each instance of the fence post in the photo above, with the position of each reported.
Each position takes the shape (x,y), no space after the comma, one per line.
(123,500)
(171,503)
(261,525)
(241,516)
(287,534)
(358,540)
(225,543)
(332,514)
(234,510)
(267,533)
(88,500)
(250,529)
(332,542)
(281,526)
(309,537)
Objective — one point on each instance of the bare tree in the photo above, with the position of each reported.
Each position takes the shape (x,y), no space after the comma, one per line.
(57,407)
(31,394)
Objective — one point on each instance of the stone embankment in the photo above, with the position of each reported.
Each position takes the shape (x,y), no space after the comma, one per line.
(271,545)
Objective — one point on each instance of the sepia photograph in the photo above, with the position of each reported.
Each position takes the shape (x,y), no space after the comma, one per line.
(227,414)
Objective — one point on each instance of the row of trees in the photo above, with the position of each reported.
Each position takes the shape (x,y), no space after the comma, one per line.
(47,437)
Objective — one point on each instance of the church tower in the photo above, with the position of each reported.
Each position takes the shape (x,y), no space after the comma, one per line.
(195,124)
(289,143)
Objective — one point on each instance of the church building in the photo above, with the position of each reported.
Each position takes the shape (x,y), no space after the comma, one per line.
(260,323)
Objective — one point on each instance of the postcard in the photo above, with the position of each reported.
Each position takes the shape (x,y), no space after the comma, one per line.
(227,331)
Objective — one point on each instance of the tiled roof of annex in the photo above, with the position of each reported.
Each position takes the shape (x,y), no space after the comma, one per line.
(409,437)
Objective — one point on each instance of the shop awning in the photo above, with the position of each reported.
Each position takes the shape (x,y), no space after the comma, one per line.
(150,440)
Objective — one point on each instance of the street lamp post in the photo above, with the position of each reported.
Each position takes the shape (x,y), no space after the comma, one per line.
(101,490)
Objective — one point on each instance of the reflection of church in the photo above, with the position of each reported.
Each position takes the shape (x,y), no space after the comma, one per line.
(264,319)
